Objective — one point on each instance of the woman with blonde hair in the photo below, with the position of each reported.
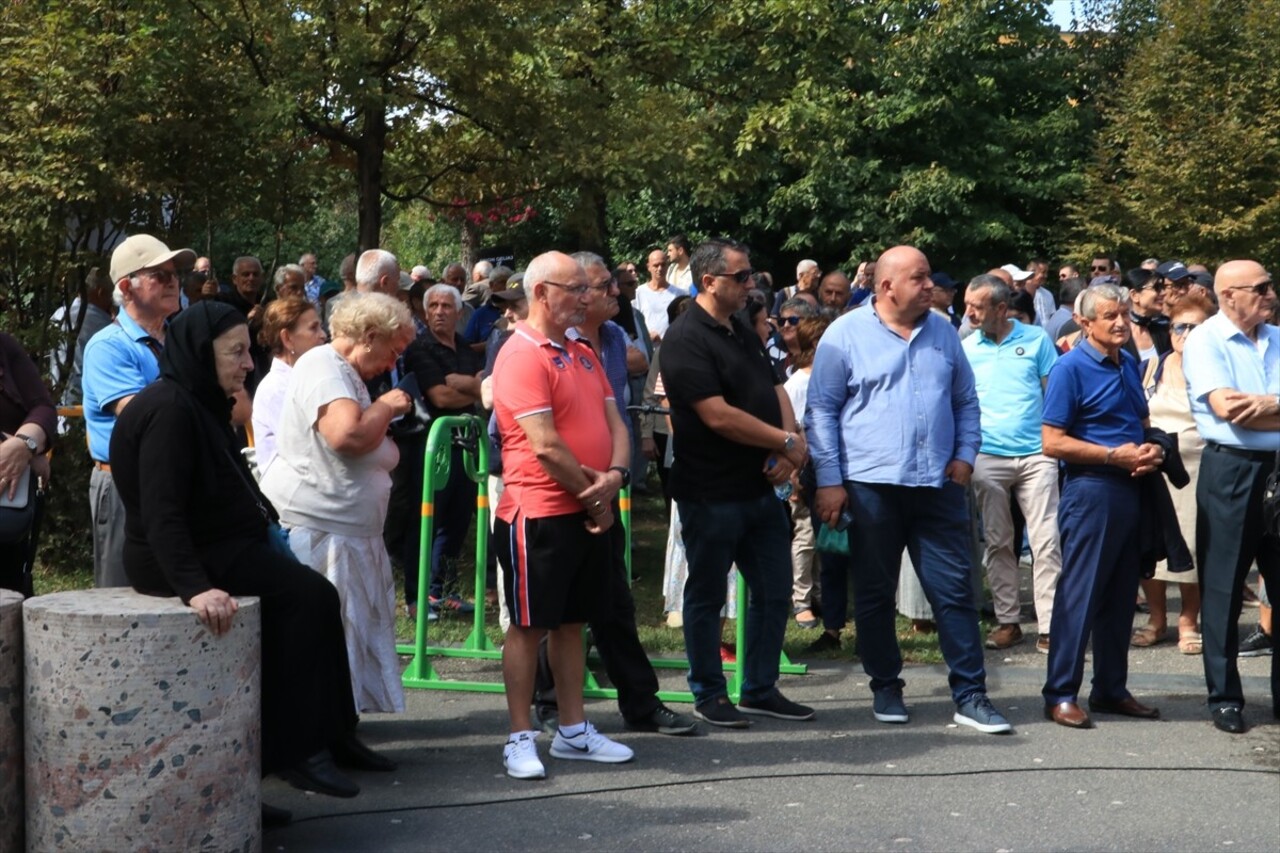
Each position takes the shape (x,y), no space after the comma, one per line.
(290,328)
(331,480)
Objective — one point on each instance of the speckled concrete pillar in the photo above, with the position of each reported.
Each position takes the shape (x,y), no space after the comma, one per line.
(142,728)
(11,821)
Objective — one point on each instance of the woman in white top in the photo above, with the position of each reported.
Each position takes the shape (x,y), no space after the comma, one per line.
(331,479)
(290,327)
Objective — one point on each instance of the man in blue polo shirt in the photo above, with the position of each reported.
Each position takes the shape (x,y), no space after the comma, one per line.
(893,426)
(120,361)
(1232,365)
(1011,362)
(1094,415)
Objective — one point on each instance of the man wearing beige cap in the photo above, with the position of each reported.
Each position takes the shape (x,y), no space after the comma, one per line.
(120,361)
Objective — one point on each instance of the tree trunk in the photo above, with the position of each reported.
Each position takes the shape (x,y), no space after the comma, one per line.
(369,156)
(469,240)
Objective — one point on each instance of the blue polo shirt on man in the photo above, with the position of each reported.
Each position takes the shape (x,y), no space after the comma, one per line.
(119,362)
(1219,355)
(1096,400)
(1008,378)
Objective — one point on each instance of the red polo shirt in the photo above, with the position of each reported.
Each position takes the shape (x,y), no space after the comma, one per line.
(533,374)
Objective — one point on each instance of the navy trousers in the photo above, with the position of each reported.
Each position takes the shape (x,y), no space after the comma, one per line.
(1098,524)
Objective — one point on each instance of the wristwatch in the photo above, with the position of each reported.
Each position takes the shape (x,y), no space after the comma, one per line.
(30,442)
(789,443)
(626,475)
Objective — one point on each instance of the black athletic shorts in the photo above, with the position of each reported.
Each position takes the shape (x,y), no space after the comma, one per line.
(554,569)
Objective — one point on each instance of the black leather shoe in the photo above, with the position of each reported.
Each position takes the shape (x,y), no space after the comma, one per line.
(1229,720)
(273,818)
(1126,707)
(319,774)
(348,751)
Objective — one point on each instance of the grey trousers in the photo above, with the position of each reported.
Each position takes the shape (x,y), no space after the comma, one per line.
(107,511)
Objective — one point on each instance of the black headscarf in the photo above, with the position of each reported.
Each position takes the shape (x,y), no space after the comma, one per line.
(188,361)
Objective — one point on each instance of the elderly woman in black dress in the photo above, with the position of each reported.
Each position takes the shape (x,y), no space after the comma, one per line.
(198,527)
(27,423)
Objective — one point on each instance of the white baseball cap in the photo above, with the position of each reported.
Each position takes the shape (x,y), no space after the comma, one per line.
(142,251)
(1018,273)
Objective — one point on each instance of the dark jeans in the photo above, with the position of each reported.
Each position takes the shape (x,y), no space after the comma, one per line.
(1229,538)
(625,660)
(402,530)
(933,525)
(834,570)
(1098,526)
(754,534)
(455,506)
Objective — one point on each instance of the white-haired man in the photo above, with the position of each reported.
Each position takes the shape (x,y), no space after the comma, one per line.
(378,271)
(312,281)
(119,362)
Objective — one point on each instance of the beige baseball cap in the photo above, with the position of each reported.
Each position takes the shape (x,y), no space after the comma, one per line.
(142,251)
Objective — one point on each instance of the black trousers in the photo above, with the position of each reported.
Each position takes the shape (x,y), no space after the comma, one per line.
(307,699)
(13,559)
(1229,538)
(625,661)
(401,531)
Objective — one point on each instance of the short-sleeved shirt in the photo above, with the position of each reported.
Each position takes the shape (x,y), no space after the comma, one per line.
(1219,355)
(431,361)
(119,362)
(703,359)
(311,484)
(533,375)
(653,305)
(1008,378)
(1096,400)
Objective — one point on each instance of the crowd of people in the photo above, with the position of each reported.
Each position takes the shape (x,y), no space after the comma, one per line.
(895,431)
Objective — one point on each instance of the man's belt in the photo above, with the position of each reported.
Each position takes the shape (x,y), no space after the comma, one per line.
(1252,455)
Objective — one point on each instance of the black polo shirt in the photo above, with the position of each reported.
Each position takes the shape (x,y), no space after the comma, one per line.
(431,361)
(702,359)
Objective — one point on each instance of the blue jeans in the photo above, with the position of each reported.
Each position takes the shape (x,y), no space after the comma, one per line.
(933,525)
(756,535)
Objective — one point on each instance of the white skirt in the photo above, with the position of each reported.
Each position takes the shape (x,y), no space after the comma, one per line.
(361,570)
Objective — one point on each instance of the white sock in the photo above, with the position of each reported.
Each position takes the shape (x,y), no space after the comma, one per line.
(573,730)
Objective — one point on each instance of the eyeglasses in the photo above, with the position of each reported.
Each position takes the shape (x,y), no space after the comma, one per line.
(1157,286)
(160,276)
(575,289)
(741,276)
(788,321)
(1100,268)
(1259,289)
(605,287)
(1181,329)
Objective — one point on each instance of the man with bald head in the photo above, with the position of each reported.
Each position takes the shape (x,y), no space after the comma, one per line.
(893,429)
(564,455)
(833,292)
(1232,366)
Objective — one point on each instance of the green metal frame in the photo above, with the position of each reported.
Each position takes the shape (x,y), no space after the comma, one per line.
(435,469)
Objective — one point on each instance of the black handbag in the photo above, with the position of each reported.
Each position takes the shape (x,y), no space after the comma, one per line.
(18,515)
(1271,501)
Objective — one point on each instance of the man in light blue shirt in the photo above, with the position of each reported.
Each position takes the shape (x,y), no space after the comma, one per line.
(893,429)
(120,361)
(1232,367)
(1011,362)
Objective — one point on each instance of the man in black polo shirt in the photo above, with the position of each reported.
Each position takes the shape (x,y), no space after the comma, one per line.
(448,372)
(735,440)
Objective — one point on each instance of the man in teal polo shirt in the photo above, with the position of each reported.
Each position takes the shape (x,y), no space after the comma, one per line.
(120,361)
(1011,362)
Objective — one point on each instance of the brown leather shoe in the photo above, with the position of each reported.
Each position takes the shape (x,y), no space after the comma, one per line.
(1068,714)
(1127,707)
(1004,636)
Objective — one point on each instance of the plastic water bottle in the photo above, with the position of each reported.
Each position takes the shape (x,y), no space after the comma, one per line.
(783,490)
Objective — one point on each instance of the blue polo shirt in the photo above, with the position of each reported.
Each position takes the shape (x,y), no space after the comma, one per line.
(1219,355)
(1096,400)
(118,362)
(1008,377)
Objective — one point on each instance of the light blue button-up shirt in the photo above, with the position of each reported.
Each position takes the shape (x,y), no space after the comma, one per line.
(1219,355)
(887,410)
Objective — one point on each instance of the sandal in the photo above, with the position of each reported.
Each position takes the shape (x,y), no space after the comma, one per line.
(1190,642)
(805,618)
(1148,635)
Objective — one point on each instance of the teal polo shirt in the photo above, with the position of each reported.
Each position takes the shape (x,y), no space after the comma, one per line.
(1008,377)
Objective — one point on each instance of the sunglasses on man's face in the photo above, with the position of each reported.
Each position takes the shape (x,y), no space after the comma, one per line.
(1100,268)
(741,276)
(1259,289)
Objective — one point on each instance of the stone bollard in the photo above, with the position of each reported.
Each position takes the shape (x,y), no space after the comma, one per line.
(142,728)
(11,821)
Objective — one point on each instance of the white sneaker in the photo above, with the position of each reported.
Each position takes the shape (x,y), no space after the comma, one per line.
(590,745)
(520,756)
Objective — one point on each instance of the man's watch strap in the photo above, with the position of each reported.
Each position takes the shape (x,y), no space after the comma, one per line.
(625,472)
(30,442)
(789,443)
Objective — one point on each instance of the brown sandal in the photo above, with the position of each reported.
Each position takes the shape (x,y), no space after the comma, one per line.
(1148,635)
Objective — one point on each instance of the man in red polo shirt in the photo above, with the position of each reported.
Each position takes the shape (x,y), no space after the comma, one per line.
(564,451)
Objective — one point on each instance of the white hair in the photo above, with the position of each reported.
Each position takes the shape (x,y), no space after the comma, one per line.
(804,266)
(372,266)
(1098,293)
(442,288)
(482,269)
(540,269)
(589,260)
(284,269)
